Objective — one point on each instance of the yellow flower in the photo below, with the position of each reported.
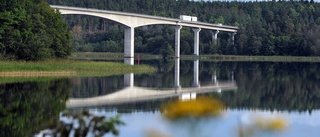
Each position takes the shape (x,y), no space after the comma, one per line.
(252,124)
(272,124)
(202,106)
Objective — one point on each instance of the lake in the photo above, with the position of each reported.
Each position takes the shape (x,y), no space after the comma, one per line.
(253,92)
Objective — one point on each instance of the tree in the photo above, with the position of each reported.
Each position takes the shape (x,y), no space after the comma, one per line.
(32,30)
(167,51)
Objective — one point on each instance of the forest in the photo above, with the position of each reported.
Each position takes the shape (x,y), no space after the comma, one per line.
(289,28)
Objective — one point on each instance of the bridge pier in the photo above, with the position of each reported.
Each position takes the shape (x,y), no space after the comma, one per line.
(196,82)
(196,40)
(214,78)
(129,61)
(177,41)
(129,42)
(232,37)
(177,74)
(129,80)
(215,36)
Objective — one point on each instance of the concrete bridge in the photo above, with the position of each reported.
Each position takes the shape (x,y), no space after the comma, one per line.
(132,20)
(132,93)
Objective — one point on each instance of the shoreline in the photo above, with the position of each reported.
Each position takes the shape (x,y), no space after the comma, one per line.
(68,68)
(37,73)
(107,56)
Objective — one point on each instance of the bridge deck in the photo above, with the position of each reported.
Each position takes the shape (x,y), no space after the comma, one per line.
(149,20)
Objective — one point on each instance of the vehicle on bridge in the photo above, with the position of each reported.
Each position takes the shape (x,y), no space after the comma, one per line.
(188,18)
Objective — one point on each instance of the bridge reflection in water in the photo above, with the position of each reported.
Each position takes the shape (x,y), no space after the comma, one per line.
(132,93)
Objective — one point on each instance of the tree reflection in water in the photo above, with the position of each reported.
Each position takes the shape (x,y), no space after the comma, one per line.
(275,86)
(261,85)
(26,108)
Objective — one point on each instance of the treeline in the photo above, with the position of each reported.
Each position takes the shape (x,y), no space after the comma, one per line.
(32,30)
(266,28)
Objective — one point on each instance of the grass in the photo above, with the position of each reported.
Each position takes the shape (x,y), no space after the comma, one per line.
(143,56)
(96,56)
(110,56)
(68,68)
(254,58)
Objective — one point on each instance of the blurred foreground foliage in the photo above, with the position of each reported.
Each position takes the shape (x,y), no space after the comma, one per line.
(84,124)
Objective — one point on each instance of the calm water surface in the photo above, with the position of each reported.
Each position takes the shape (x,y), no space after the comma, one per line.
(248,89)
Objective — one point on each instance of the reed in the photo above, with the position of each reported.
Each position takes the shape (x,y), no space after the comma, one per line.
(68,68)
(110,56)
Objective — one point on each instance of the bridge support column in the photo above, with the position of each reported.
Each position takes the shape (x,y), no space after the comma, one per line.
(129,61)
(129,42)
(129,80)
(214,78)
(196,82)
(177,74)
(177,41)
(232,37)
(232,76)
(196,40)
(214,36)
